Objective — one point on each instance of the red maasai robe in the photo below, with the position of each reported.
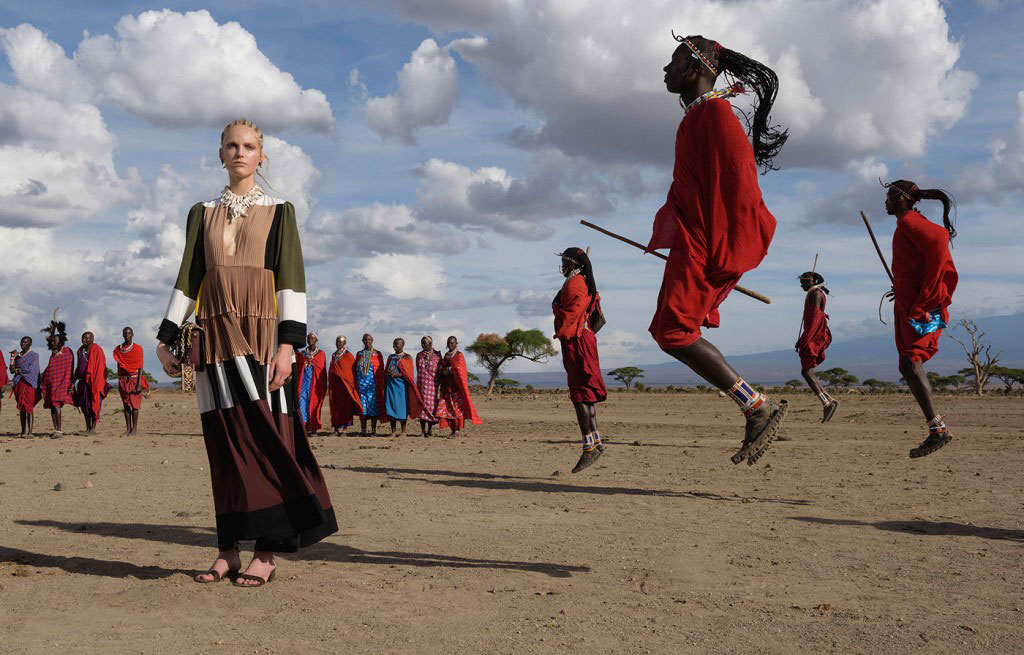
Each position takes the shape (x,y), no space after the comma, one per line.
(26,391)
(341,385)
(714,222)
(3,383)
(413,399)
(454,403)
(815,336)
(92,383)
(318,386)
(579,343)
(427,364)
(130,381)
(56,385)
(924,279)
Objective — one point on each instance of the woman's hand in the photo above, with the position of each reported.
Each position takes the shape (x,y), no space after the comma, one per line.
(281,366)
(172,366)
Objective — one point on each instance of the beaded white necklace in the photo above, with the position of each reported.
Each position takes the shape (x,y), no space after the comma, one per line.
(237,205)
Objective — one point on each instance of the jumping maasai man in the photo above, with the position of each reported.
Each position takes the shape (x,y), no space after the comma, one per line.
(573,307)
(714,221)
(130,380)
(341,386)
(56,384)
(924,279)
(454,404)
(814,338)
(26,384)
(91,385)
(369,372)
(427,362)
(402,397)
(312,364)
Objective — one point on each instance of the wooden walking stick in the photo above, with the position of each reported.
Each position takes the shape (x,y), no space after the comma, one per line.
(815,267)
(747,292)
(871,233)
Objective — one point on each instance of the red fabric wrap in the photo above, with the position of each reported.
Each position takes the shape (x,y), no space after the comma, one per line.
(583,368)
(3,382)
(924,279)
(56,382)
(341,385)
(96,379)
(714,222)
(413,400)
(816,336)
(318,386)
(570,308)
(454,403)
(26,396)
(130,381)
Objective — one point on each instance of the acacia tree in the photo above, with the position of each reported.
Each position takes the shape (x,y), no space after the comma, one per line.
(979,353)
(493,351)
(1009,376)
(626,374)
(837,377)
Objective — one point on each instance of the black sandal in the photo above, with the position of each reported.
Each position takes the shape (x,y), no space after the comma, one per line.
(931,444)
(254,578)
(756,445)
(829,411)
(217,577)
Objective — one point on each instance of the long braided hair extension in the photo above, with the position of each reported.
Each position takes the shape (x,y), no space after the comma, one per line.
(915,194)
(752,75)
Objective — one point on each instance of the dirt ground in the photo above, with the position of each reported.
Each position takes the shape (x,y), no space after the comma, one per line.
(834,542)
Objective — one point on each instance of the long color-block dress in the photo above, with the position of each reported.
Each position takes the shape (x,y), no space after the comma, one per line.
(267,485)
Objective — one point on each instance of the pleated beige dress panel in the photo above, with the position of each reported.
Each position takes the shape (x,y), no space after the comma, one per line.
(236,304)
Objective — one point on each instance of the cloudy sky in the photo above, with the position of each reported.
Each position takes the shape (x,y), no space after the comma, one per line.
(439,153)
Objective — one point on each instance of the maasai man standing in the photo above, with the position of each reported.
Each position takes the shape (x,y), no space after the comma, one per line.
(714,221)
(56,384)
(814,339)
(427,362)
(341,385)
(369,371)
(402,397)
(454,403)
(924,279)
(312,362)
(25,369)
(573,307)
(130,380)
(91,385)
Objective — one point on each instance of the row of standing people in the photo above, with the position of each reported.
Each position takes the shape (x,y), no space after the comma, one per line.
(432,388)
(78,379)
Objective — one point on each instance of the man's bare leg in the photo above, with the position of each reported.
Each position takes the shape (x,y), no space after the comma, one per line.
(917,380)
(828,403)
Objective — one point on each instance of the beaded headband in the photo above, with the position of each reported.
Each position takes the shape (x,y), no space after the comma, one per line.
(907,196)
(697,54)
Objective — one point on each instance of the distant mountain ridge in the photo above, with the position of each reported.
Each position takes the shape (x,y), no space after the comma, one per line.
(866,357)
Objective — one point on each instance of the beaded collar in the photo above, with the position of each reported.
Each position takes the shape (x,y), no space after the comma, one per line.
(237,205)
(728,92)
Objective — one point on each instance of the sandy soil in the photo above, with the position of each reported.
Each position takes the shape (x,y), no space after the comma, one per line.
(835,542)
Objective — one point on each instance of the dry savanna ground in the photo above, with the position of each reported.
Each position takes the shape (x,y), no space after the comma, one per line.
(834,542)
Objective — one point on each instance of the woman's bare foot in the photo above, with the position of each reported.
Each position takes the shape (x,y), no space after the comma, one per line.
(228,561)
(261,566)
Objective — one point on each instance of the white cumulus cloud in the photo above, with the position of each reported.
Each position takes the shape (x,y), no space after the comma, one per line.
(171,69)
(406,276)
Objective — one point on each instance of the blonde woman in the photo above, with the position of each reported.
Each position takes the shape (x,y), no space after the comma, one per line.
(242,252)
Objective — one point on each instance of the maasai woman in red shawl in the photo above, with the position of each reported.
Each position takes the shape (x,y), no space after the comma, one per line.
(402,397)
(924,279)
(369,375)
(312,365)
(714,221)
(427,362)
(91,381)
(56,383)
(573,307)
(814,338)
(130,380)
(25,388)
(3,383)
(341,387)
(454,403)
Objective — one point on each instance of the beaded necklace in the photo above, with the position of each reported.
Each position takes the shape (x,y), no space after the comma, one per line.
(730,91)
